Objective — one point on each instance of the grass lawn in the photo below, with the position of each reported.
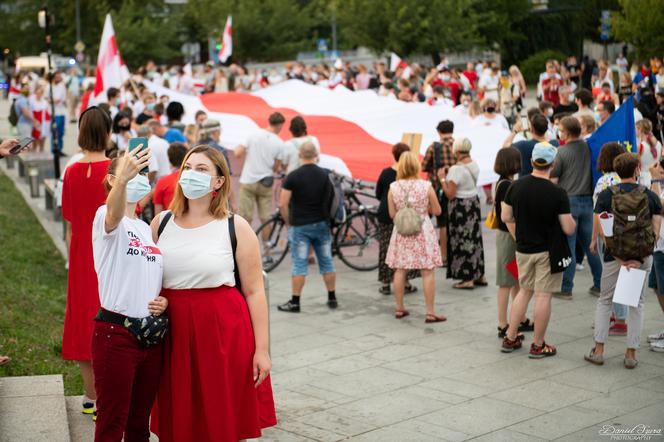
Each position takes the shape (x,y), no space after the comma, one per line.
(32,294)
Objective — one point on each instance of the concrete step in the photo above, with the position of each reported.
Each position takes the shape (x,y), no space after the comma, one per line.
(33,409)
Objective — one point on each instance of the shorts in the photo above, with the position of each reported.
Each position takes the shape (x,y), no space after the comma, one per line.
(535,273)
(252,195)
(302,238)
(505,252)
(656,279)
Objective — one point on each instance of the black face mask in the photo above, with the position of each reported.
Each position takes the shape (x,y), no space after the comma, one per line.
(124,127)
(490,109)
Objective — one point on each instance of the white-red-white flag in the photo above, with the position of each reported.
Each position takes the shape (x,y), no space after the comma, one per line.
(396,62)
(111,69)
(227,41)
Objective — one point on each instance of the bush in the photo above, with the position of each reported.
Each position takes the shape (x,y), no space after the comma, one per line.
(534,65)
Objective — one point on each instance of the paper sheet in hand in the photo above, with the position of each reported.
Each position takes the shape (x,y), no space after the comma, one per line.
(629,286)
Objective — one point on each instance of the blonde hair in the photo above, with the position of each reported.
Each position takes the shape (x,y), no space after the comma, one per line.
(644,125)
(408,166)
(191,132)
(462,145)
(219,204)
(588,123)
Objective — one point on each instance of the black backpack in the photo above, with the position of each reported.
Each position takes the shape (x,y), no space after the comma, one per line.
(13,115)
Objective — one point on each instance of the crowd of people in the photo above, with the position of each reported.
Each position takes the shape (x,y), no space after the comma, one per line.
(200,265)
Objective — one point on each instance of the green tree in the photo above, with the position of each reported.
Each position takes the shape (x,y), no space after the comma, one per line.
(640,22)
(411,26)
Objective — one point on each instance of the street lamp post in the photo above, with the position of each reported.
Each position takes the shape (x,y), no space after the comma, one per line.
(45,20)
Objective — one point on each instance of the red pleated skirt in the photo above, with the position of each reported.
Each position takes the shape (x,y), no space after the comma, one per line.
(207,389)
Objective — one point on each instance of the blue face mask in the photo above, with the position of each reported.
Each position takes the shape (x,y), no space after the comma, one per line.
(138,188)
(118,101)
(195,184)
(149,106)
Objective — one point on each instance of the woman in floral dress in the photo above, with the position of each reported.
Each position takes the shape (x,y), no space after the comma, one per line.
(419,251)
(465,250)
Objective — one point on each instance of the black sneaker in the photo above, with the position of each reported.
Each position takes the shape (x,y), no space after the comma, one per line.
(527,326)
(332,303)
(563,295)
(595,291)
(290,306)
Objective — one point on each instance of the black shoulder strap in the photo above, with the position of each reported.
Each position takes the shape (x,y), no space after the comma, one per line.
(236,271)
(164,221)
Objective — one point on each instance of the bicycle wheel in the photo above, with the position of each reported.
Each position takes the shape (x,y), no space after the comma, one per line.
(356,241)
(275,244)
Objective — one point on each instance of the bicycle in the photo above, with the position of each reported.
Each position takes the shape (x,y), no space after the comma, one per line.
(355,240)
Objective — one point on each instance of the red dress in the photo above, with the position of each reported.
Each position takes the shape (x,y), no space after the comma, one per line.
(207,392)
(82,195)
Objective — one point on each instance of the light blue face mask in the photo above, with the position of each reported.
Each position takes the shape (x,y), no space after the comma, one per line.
(138,188)
(149,106)
(195,184)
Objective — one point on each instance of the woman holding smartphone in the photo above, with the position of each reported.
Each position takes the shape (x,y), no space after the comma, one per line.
(215,380)
(129,270)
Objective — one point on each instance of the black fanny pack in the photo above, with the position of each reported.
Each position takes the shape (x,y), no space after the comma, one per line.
(267,181)
(149,330)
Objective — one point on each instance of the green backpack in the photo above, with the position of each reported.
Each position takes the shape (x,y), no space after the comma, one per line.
(633,235)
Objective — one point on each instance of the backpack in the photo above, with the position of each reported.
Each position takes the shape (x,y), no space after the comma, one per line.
(13,115)
(337,208)
(407,221)
(633,235)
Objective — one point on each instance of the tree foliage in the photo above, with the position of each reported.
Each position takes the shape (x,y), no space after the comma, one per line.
(268,30)
(640,23)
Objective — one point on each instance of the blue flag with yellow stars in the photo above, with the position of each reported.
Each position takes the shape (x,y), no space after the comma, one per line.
(619,127)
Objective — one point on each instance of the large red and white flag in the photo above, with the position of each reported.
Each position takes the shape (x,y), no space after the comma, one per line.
(227,41)
(111,70)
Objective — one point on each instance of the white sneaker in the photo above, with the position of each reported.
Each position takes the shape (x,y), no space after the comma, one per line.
(580,267)
(657,346)
(656,337)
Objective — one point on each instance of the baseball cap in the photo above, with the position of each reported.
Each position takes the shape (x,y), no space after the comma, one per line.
(543,154)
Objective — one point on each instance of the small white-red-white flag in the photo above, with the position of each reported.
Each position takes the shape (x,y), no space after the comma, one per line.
(111,69)
(396,62)
(227,41)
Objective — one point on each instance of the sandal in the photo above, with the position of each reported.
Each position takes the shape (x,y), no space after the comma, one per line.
(481,282)
(434,318)
(385,290)
(593,358)
(502,332)
(400,314)
(464,285)
(4,360)
(410,289)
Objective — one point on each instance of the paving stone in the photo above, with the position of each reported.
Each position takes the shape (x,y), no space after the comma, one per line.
(458,388)
(620,402)
(20,386)
(388,408)
(609,377)
(34,418)
(479,416)
(337,424)
(507,436)
(559,423)
(432,430)
(544,395)
(392,434)
(306,431)
(368,382)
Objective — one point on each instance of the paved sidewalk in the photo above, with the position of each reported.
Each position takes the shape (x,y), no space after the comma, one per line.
(357,373)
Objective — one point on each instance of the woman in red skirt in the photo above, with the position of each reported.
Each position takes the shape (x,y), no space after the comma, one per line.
(82,194)
(215,383)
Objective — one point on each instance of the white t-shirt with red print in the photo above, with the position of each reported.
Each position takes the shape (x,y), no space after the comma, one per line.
(128,263)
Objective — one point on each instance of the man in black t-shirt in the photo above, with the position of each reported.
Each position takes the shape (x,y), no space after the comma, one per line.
(537,207)
(304,203)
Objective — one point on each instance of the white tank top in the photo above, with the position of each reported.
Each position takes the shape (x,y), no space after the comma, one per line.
(196,258)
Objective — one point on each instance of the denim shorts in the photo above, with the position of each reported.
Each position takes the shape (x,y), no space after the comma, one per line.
(302,238)
(656,279)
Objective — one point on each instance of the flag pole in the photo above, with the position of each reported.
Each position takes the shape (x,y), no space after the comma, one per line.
(54,127)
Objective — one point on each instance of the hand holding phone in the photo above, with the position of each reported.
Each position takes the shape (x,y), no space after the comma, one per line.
(136,145)
(23,144)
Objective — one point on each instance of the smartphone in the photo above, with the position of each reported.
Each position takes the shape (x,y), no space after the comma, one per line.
(524,122)
(25,142)
(134,144)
